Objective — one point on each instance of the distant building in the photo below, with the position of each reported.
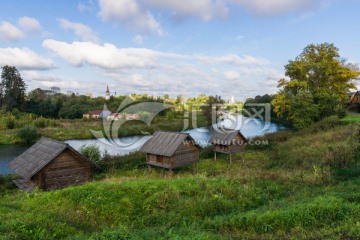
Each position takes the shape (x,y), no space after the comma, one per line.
(97,114)
(55,90)
(128,116)
(232,100)
(107,93)
(89,95)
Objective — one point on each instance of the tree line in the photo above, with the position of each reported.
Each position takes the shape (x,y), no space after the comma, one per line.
(317,84)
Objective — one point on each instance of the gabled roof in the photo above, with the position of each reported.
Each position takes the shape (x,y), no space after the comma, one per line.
(38,156)
(226,137)
(166,143)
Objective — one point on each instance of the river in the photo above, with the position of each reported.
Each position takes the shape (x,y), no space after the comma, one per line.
(249,127)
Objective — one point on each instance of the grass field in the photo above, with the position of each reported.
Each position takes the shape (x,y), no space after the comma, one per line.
(275,194)
(351,118)
(66,129)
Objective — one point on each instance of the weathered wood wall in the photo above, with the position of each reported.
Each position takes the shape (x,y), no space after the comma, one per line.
(237,145)
(184,155)
(67,169)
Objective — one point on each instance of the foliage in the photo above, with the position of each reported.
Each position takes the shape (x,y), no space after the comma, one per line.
(213,105)
(92,152)
(12,89)
(319,81)
(28,133)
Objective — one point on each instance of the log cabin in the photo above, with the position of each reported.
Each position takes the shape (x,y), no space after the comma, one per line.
(171,150)
(228,142)
(51,164)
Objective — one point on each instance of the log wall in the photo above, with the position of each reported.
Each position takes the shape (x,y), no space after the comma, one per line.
(65,170)
(184,155)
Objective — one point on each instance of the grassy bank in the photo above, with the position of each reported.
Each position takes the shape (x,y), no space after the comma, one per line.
(65,129)
(351,118)
(283,190)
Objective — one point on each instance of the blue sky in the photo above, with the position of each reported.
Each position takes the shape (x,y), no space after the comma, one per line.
(225,47)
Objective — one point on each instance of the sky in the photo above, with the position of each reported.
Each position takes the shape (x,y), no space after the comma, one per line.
(189,47)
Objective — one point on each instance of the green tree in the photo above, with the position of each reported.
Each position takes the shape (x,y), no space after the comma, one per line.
(28,133)
(12,89)
(212,106)
(317,85)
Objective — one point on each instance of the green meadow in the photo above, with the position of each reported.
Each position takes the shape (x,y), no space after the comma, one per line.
(302,185)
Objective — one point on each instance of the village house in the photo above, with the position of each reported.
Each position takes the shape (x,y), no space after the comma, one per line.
(354,97)
(171,150)
(97,114)
(51,164)
(128,116)
(228,142)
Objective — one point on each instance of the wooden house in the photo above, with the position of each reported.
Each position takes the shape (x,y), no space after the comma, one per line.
(228,142)
(50,164)
(355,98)
(171,150)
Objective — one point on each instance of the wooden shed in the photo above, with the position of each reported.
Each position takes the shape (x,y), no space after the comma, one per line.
(229,142)
(50,164)
(171,150)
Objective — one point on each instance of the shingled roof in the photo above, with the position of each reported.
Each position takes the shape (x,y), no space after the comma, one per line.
(226,137)
(165,143)
(38,156)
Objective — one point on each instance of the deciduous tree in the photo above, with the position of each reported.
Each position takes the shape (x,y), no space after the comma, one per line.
(317,84)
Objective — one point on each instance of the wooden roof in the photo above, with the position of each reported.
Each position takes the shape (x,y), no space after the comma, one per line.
(38,156)
(226,137)
(166,143)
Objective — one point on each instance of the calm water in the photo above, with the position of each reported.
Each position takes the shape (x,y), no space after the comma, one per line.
(8,153)
(249,127)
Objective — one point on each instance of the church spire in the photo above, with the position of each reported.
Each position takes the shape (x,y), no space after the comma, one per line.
(107,93)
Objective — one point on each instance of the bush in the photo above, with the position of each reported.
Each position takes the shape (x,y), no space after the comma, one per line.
(131,161)
(10,123)
(28,133)
(92,152)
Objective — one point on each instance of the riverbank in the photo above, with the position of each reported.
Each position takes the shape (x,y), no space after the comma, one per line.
(301,185)
(66,129)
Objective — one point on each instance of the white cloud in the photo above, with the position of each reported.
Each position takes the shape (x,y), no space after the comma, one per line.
(231,75)
(130,14)
(276,7)
(81,30)
(233,59)
(202,9)
(24,58)
(138,39)
(86,7)
(144,70)
(106,56)
(30,25)
(10,32)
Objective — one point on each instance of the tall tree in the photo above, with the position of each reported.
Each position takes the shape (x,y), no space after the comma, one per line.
(317,85)
(212,107)
(12,89)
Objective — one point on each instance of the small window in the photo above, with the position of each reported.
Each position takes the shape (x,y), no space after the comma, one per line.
(159,159)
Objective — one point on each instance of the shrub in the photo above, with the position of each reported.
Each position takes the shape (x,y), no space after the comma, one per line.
(10,123)
(92,152)
(131,161)
(28,133)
